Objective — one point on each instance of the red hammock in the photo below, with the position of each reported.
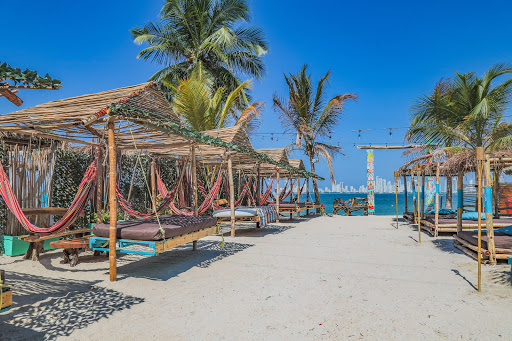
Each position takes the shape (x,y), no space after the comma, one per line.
(210,196)
(85,189)
(266,195)
(131,211)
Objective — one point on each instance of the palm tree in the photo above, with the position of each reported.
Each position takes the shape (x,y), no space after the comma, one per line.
(307,113)
(202,108)
(466,113)
(203,34)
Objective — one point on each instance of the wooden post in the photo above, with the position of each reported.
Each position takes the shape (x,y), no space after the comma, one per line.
(194,177)
(496,191)
(413,185)
(231,195)
(460,200)
(307,194)
(479,165)
(112,201)
(418,202)
(436,219)
(299,192)
(422,206)
(277,195)
(396,197)
(153,184)
(491,247)
(99,185)
(258,185)
(405,193)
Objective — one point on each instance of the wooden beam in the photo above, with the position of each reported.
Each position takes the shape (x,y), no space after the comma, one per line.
(112,201)
(409,146)
(396,197)
(99,185)
(436,218)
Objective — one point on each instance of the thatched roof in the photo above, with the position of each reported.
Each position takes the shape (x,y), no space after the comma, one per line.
(10,138)
(466,162)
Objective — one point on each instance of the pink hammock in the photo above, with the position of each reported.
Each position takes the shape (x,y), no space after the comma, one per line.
(85,189)
(266,195)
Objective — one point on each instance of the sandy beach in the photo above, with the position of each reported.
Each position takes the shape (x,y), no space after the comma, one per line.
(309,279)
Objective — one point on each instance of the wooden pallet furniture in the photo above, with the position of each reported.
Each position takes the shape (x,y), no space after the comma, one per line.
(36,241)
(350,206)
(153,247)
(5,294)
(471,248)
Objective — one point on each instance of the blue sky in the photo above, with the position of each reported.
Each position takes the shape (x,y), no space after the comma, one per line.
(387,53)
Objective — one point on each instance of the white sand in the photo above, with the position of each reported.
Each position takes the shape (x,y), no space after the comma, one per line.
(338,278)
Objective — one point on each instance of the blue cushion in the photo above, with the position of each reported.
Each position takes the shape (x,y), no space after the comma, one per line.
(472,216)
(506,230)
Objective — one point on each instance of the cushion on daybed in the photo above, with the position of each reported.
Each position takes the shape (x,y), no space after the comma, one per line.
(443,211)
(506,230)
(149,229)
(472,215)
(501,240)
(289,204)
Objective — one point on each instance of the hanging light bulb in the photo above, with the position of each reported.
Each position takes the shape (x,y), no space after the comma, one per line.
(390,132)
(272,137)
(359,134)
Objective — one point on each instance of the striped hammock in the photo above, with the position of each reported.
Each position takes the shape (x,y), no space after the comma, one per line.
(82,196)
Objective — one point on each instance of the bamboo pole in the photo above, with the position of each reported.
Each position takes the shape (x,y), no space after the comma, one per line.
(298,190)
(153,184)
(479,166)
(422,206)
(277,195)
(396,197)
(406,208)
(231,195)
(99,185)
(413,185)
(418,202)
(491,247)
(258,185)
(194,177)
(436,219)
(496,191)
(460,200)
(112,201)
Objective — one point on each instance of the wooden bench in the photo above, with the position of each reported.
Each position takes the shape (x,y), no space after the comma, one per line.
(349,206)
(71,247)
(37,241)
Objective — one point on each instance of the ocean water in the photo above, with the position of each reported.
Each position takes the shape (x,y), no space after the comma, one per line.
(384,203)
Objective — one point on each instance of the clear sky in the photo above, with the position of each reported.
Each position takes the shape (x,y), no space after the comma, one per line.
(386,52)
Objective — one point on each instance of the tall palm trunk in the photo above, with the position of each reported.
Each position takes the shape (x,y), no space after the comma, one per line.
(449,190)
(315,183)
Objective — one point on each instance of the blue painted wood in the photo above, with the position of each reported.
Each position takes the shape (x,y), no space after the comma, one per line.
(96,243)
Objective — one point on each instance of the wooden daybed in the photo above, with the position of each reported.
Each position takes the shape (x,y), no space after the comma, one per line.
(450,224)
(467,242)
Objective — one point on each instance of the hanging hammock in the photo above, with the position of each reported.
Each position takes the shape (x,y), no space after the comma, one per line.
(210,196)
(76,208)
(266,194)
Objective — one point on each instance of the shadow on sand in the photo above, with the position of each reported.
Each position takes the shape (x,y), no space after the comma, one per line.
(46,308)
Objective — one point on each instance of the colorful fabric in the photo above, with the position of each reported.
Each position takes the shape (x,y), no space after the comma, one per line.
(430,191)
(76,208)
(267,214)
(371,181)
